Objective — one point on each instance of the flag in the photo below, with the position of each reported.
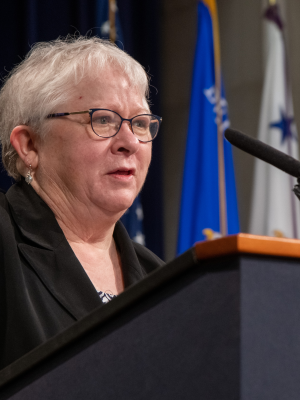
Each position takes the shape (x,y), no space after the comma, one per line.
(207,154)
(103,23)
(133,217)
(275,209)
(133,221)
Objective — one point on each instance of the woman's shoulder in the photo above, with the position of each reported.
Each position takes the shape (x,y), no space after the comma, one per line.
(147,258)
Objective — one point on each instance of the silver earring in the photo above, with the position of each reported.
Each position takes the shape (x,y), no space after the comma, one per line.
(29,178)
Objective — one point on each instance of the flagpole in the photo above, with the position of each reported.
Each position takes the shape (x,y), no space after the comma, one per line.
(218,91)
(288,97)
(112,19)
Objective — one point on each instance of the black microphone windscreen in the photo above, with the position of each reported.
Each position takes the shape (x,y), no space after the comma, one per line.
(264,152)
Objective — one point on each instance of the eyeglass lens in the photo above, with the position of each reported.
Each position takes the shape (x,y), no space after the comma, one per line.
(106,123)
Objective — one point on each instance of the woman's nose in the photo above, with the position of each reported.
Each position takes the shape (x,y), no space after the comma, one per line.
(125,140)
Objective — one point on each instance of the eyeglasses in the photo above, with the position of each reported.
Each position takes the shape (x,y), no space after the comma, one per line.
(107,123)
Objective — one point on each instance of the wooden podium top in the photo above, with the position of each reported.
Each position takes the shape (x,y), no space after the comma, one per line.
(245,243)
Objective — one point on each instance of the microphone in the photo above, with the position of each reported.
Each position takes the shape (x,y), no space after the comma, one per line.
(264,152)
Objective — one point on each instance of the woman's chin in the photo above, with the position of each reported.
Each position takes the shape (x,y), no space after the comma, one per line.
(119,205)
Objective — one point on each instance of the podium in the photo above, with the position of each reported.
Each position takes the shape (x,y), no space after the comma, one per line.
(222,321)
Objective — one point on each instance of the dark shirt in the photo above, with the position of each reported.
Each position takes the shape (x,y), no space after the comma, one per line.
(43,287)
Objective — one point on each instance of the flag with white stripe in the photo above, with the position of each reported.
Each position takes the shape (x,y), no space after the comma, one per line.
(275,209)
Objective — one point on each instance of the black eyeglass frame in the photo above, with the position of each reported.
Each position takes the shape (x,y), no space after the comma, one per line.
(91,112)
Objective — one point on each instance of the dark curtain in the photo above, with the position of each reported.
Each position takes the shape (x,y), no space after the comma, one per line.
(24,22)
(141,30)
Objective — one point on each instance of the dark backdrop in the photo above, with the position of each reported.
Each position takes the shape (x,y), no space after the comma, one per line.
(24,22)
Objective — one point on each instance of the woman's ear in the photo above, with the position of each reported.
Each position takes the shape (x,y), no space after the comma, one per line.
(23,140)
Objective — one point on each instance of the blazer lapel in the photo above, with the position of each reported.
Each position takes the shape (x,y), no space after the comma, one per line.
(132,270)
(44,246)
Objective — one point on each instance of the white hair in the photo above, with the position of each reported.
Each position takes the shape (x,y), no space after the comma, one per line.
(46,79)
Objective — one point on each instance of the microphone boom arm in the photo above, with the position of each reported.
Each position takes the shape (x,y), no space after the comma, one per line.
(266,153)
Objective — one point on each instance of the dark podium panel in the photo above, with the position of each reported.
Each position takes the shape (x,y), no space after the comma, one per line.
(222,321)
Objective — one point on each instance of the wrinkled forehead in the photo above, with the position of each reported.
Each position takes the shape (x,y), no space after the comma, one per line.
(99,82)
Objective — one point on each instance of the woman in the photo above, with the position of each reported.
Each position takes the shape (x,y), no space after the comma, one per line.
(76,133)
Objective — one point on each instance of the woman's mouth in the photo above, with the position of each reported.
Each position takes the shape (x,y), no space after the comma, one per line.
(123,173)
(118,172)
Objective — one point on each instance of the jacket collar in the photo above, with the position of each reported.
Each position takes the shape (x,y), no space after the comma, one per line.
(34,218)
(46,249)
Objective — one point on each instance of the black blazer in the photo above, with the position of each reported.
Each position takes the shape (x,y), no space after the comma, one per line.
(43,287)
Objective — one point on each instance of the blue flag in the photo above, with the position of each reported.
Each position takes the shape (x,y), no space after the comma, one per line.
(102,21)
(200,189)
(133,218)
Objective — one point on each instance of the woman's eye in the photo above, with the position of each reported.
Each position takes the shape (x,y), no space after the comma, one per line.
(140,124)
(102,120)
